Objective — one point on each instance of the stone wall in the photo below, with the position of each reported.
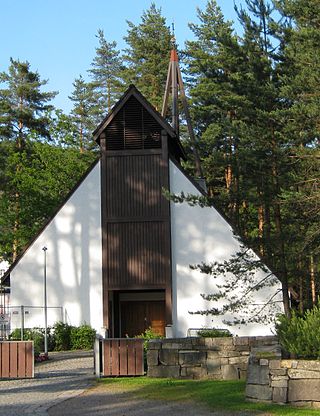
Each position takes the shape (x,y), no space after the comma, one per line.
(214,358)
(296,382)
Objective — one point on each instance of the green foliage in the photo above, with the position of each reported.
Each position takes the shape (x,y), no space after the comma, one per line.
(23,106)
(147,55)
(300,335)
(106,73)
(61,337)
(37,336)
(236,293)
(85,114)
(147,335)
(62,334)
(82,337)
(214,333)
(29,195)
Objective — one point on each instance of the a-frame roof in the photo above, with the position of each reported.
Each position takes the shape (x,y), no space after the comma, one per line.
(132,91)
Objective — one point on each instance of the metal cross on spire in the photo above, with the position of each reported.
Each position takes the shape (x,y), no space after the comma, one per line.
(174,84)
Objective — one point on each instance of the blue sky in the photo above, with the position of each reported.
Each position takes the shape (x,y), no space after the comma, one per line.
(58,38)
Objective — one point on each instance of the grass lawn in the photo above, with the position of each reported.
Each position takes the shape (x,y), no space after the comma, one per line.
(216,395)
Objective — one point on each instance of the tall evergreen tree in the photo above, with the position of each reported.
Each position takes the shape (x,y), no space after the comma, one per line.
(106,72)
(24,106)
(235,96)
(301,121)
(85,113)
(147,55)
(23,114)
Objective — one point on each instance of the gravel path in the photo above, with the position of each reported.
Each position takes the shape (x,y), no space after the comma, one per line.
(64,376)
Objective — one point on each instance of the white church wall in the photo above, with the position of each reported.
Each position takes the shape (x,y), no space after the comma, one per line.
(74,269)
(203,235)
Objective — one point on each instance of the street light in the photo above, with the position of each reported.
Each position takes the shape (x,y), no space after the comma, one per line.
(45,300)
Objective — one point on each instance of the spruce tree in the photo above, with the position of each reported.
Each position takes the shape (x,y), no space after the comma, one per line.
(85,113)
(106,72)
(147,55)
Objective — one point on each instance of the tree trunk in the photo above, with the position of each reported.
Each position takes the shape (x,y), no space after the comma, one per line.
(313,281)
(261,229)
(281,247)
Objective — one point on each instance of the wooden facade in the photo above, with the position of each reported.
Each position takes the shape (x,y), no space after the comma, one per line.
(135,142)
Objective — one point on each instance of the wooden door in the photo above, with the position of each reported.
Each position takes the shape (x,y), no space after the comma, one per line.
(137,316)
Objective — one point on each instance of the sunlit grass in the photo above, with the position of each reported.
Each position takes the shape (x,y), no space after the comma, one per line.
(216,395)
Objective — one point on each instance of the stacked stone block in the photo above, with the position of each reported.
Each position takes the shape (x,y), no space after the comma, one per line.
(195,358)
(296,382)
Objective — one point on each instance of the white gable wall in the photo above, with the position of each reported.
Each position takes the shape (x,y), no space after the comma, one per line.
(202,235)
(74,269)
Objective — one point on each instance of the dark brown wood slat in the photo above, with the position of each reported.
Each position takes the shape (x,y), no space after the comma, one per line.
(107,358)
(115,357)
(123,357)
(21,359)
(137,254)
(131,358)
(139,358)
(29,359)
(5,360)
(13,359)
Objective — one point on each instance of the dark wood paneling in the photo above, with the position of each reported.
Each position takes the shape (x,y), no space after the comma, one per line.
(137,254)
(134,187)
(133,128)
(137,316)
(136,238)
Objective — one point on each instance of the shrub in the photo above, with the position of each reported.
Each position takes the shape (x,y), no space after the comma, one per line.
(300,335)
(214,333)
(82,337)
(62,333)
(147,335)
(37,336)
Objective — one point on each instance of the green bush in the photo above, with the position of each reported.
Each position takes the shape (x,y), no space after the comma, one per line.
(147,335)
(300,335)
(37,336)
(82,337)
(62,334)
(214,333)
(62,337)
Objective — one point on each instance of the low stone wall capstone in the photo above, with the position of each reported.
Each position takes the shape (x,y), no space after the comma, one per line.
(296,382)
(194,358)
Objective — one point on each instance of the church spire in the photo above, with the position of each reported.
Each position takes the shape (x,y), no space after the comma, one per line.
(174,84)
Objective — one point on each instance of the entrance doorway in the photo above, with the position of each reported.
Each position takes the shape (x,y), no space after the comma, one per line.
(134,312)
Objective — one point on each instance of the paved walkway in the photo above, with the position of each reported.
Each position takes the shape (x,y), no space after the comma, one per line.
(69,375)
(66,375)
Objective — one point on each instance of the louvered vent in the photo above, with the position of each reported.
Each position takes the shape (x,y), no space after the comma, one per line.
(133,128)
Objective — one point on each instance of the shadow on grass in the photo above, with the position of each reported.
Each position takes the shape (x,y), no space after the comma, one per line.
(228,396)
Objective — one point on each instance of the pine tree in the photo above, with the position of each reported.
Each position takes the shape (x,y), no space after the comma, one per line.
(106,72)
(23,114)
(24,106)
(147,55)
(301,120)
(235,94)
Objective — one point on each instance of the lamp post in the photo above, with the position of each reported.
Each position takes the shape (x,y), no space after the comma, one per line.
(45,300)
